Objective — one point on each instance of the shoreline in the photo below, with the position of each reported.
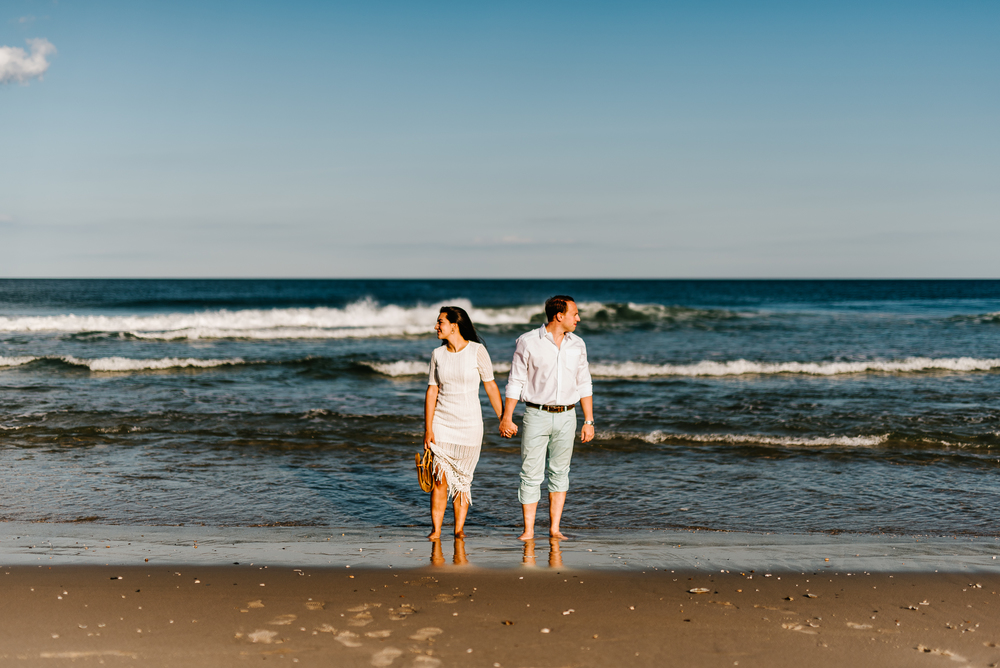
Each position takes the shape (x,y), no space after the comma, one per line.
(696,550)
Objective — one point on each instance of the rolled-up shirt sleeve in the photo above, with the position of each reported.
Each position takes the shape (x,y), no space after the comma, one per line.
(518,372)
(584,383)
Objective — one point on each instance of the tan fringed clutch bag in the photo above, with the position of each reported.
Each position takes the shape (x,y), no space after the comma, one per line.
(425,470)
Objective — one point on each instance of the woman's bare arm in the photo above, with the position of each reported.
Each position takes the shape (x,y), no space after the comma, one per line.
(430,403)
(493,392)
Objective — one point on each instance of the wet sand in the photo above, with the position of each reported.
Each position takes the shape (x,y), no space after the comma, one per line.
(456,615)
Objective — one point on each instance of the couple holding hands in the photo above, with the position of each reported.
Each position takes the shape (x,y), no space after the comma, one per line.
(549,373)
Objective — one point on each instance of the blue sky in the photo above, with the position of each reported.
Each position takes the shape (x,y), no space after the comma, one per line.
(548,139)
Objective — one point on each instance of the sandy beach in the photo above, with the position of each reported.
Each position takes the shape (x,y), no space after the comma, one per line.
(453,615)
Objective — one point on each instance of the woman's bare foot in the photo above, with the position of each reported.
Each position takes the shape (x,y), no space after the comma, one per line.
(527,535)
(434,535)
(460,533)
(556,533)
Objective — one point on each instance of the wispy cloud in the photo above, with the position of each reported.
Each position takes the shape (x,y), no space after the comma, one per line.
(26,19)
(18,65)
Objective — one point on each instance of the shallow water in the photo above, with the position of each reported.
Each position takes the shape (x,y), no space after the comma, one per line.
(786,406)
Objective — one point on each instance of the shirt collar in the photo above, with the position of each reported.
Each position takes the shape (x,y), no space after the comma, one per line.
(544,333)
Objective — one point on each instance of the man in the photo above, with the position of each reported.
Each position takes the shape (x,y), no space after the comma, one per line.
(550,374)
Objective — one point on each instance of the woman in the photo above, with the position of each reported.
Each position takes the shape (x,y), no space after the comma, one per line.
(453,418)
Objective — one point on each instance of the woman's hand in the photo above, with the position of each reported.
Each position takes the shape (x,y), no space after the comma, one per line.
(428,438)
(507,428)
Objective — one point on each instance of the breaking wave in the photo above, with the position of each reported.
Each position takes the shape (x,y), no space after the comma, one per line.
(750,439)
(15,361)
(982,318)
(741,367)
(416,368)
(127,363)
(362,319)
(732,368)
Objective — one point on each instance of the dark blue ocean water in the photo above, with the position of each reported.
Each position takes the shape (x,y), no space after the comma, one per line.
(787,406)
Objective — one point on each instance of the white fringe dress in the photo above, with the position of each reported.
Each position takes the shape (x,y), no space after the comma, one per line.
(458,416)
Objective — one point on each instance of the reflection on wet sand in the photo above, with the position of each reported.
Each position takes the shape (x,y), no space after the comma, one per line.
(459,557)
(555,553)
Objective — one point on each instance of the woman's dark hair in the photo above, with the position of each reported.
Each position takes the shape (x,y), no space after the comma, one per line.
(457,316)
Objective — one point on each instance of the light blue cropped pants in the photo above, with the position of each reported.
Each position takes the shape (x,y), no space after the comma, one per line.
(545,433)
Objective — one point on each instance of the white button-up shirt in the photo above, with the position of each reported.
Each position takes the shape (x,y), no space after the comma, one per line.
(545,374)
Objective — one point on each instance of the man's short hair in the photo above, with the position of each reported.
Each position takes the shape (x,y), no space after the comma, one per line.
(557,304)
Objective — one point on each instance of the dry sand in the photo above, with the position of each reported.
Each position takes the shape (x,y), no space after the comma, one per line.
(204,615)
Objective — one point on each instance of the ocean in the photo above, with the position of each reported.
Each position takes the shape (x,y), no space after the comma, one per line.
(753,406)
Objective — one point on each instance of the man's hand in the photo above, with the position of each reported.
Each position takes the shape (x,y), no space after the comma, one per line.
(587,433)
(507,428)
(428,438)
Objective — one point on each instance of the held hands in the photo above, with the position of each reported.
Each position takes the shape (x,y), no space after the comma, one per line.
(428,438)
(507,428)
(587,433)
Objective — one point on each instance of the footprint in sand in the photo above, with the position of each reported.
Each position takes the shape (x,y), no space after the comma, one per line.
(426,633)
(801,628)
(255,604)
(262,636)
(400,613)
(385,657)
(347,639)
(314,605)
(326,628)
(425,662)
(855,625)
(446,598)
(364,606)
(361,619)
(378,634)
(942,652)
(282,620)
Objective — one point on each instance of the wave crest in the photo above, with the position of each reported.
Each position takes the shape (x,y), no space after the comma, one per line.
(741,367)
(15,361)
(750,439)
(127,363)
(362,319)
(415,368)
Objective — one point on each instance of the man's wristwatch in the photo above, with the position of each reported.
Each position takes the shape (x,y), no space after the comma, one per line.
(590,422)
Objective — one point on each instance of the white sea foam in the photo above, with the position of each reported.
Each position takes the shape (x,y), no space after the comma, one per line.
(362,319)
(15,361)
(740,367)
(733,368)
(416,368)
(819,441)
(129,364)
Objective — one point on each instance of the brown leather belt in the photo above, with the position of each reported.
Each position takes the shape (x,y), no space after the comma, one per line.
(550,409)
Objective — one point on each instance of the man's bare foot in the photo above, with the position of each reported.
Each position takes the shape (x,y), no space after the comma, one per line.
(460,533)
(557,534)
(434,535)
(527,535)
